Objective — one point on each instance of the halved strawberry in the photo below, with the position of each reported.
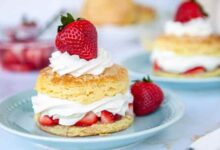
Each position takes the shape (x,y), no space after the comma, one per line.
(107,117)
(89,119)
(48,121)
(195,70)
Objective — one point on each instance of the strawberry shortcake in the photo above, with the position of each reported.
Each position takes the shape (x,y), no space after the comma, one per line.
(82,92)
(189,47)
(114,12)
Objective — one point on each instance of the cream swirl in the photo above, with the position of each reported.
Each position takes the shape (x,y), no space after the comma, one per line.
(64,63)
(195,27)
(171,62)
(69,112)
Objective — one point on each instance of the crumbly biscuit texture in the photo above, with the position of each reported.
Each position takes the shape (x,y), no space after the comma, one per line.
(85,89)
(189,46)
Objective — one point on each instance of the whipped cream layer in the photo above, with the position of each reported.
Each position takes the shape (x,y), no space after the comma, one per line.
(69,112)
(64,63)
(171,62)
(195,27)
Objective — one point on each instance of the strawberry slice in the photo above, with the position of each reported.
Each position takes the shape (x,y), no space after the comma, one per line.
(107,117)
(48,121)
(156,67)
(195,70)
(117,117)
(89,119)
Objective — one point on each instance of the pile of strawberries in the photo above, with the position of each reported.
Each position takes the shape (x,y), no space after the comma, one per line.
(25,57)
(89,119)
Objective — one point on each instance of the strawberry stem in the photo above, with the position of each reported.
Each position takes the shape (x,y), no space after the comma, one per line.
(201,8)
(148,79)
(65,20)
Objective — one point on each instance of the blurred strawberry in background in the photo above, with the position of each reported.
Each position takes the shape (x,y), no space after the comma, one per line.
(25,56)
(23,51)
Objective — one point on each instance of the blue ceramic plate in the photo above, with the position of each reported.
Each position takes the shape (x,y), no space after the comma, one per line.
(139,66)
(16,117)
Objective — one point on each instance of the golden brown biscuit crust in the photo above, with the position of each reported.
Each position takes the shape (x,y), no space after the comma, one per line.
(96,129)
(144,14)
(85,89)
(117,12)
(188,46)
(213,73)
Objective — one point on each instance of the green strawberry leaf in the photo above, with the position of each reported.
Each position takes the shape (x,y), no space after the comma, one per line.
(148,79)
(65,20)
(201,8)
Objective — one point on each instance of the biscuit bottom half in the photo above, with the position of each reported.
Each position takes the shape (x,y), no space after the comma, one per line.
(207,74)
(96,129)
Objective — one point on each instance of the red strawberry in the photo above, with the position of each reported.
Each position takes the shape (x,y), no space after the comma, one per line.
(89,119)
(77,37)
(33,57)
(107,117)
(10,58)
(117,117)
(156,67)
(48,121)
(195,70)
(18,67)
(147,97)
(188,10)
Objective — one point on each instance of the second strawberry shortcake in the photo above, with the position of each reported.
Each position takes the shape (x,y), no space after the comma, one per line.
(82,92)
(189,47)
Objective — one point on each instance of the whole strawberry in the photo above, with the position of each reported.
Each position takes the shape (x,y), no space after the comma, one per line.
(189,10)
(147,97)
(77,37)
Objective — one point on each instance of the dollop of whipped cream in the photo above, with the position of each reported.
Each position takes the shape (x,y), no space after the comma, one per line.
(64,63)
(69,112)
(195,27)
(171,62)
